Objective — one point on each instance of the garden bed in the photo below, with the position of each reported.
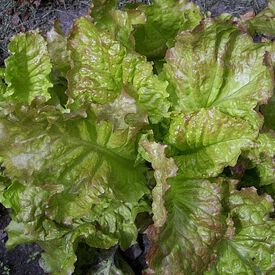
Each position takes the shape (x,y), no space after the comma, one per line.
(20,16)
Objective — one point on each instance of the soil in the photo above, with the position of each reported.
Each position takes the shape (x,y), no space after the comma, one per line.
(23,15)
(234,7)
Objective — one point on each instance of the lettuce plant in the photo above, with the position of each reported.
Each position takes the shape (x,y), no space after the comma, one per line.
(87,119)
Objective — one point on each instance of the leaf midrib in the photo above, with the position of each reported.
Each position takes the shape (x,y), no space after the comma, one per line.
(101,149)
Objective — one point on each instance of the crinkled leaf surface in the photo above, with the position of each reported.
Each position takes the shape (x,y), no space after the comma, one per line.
(60,151)
(60,59)
(77,179)
(264,22)
(217,66)
(96,69)
(208,141)
(28,68)
(101,69)
(164,18)
(216,76)
(262,156)
(58,52)
(194,225)
(123,112)
(249,248)
(4,183)
(116,22)
(101,261)
(164,168)
(108,268)
(59,243)
(148,88)
(101,12)
(117,221)
(32,221)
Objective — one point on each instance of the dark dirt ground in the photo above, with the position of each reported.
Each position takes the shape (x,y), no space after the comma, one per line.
(234,7)
(23,15)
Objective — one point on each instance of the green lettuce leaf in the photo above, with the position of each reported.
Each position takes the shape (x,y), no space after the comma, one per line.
(101,262)
(96,69)
(207,141)
(268,111)
(249,246)
(28,68)
(101,12)
(77,179)
(78,168)
(60,59)
(218,66)
(164,168)
(58,52)
(123,112)
(109,267)
(102,69)
(262,156)
(217,76)
(32,221)
(195,223)
(148,88)
(118,23)
(164,18)
(264,22)
(37,144)
(60,255)
(28,204)
(4,183)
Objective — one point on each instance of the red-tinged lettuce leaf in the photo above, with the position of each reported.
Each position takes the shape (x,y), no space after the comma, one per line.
(60,59)
(118,23)
(47,147)
(77,179)
(164,18)
(217,76)
(207,141)
(195,223)
(164,168)
(263,22)
(123,112)
(58,52)
(27,68)
(148,89)
(101,69)
(262,157)
(218,66)
(195,233)
(96,68)
(249,246)
(80,177)
(32,221)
